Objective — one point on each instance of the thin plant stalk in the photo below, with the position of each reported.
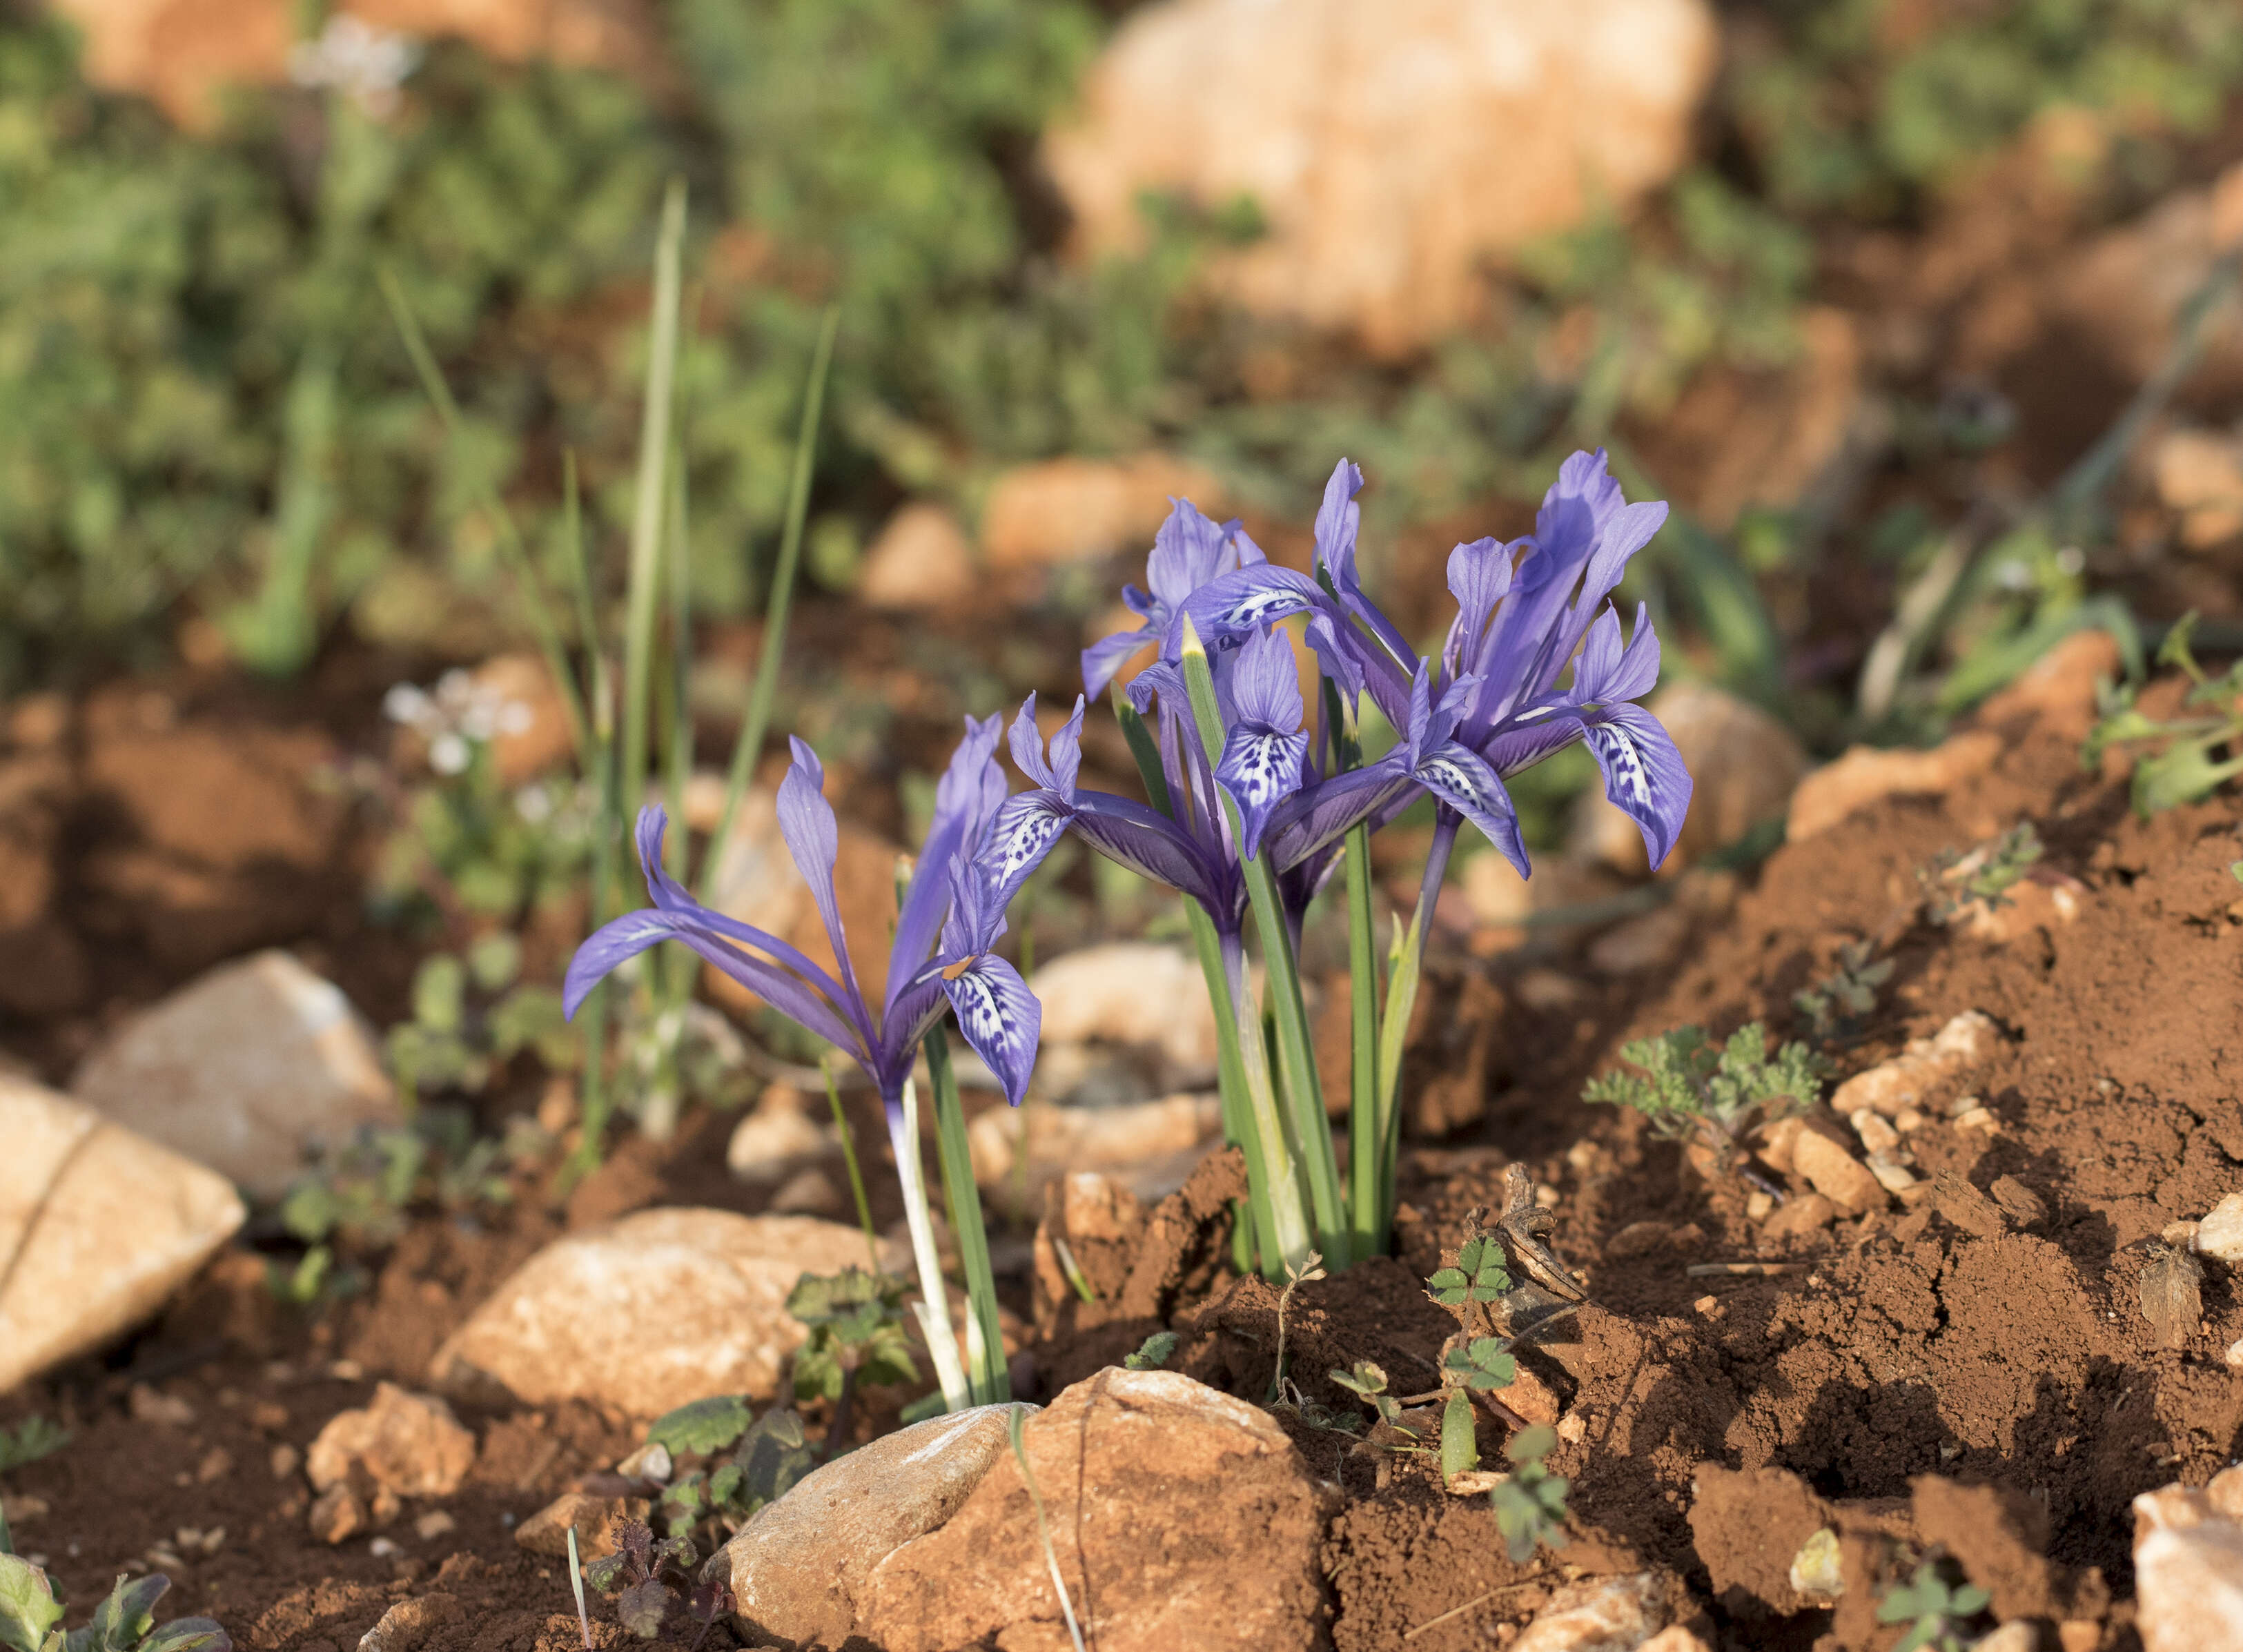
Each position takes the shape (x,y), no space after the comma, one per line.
(596,1099)
(576,1586)
(1013,1425)
(849,1157)
(1406,969)
(7,1542)
(1369,1170)
(1296,1051)
(749,746)
(934,1308)
(673,983)
(1272,1164)
(987,1381)
(541,621)
(649,493)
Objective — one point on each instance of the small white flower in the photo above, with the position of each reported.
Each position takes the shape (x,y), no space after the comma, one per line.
(353,57)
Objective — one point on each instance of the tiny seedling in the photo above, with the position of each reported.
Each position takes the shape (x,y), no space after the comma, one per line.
(1935,1608)
(857,1337)
(1530,1505)
(33,1439)
(1311,1267)
(1478,1276)
(1015,1423)
(1368,1382)
(125,1621)
(1835,1006)
(2187,758)
(650,1577)
(1686,1086)
(1152,1354)
(1984,878)
(577,1587)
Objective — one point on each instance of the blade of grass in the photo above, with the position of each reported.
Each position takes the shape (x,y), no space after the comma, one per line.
(986,1377)
(749,746)
(596,1099)
(849,1157)
(534,601)
(576,1584)
(1015,1426)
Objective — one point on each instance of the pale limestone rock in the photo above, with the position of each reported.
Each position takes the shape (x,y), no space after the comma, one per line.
(773,1138)
(1394,150)
(1673,1638)
(1599,1615)
(2188,1566)
(410,1445)
(1866,774)
(97,1227)
(247,1069)
(409,1625)
(2220,1235)
(798,1569)
(2200,476)
(1837,1174)
(921,561)
(649,1312)
(1059,511)
(1134,992)
(1150,1146)
(1877,1135)
(1743,764)
(2015,1635)
(1966,1043)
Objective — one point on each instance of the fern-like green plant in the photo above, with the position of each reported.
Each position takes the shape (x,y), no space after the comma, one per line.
(1686,1085)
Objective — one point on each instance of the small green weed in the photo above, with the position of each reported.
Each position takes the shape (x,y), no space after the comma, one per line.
(2185,759)
(1985,876)
(1686,1086)
(1935,1608)
(1478,1276)
(123,1621)
(1835,1006)
(1153,1354)
(1368,1382)
(654,1580)
(726,1463)
(857,1334)
(33,1439)
(472,1015)
(1530,1505)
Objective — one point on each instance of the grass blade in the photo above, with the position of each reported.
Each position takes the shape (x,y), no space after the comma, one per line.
(1014,1424)
(986,1374)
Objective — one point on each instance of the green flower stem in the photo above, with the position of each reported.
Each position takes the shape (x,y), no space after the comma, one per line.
(595,1099)
(1296,1052)
(1406,966)
(1271,1161)
(933,1307)
(987,1381)
(1369,1169)
(849,1157)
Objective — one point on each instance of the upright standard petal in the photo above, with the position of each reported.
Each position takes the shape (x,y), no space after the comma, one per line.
(1604,672)
(1266,688)
(813,838)
(1000,1018)
(1104,659)
(1644,774)
(1235,606)
(967,795)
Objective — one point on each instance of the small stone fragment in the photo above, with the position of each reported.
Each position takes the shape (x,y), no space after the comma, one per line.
(1837,1174)
(284,1461)
(650,1461)
(2172,1299)
(2220,1235)
(1639,1238)
(2020,1203)
(546,1531)
(2188,1566)
(809,1192)
(1979,1118)
(1131,992)
(773,1138)
(1778,1143)
(1877,1135)
(153,1405)
(432,1525)
(1908,1121)
(1624,1611)
(1965,1043)
(1759,1204)
(1893,1175)
(1816,1572)
(336,1514)
(1802,1214)
(409,1625)
(409,1445)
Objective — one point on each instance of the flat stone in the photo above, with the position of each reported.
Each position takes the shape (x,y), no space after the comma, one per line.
(249,1068)
(1837,1174)
(2188,1566)
(799,1568)
(1163,1498)
(1061,511)
(1149,1146)
(411,1624)
(651,1312)
(99,1225)
(1965,1044)
(408,1444)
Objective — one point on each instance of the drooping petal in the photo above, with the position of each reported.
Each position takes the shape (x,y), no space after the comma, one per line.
(1644,774)
(1000,1018)
(1341,662)
(1187,550)
(1104,659)
(1149,844)
(1266,685)
(671,896)
(1261,767)
(1317,816)
(1026,828)
(813,838)
(1234,606)
(1461,778)
(635,932)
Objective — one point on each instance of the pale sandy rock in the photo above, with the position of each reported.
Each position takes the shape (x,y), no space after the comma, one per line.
(1876,1135)
(1837,1174)
(1499,902)
(773,1138)
(2220,1235)
(411,1624)
(247,1069)
(2015,1635)
(1133,992)
(651,1312)
(97,1227)
(809,1192)
(336,1515)
(1599,1615)
(408,1444)
(920,560)
(1161,1495)
(2188,1566)
(1673,1638)
(1778,1140)
(1394,150)
(1867,774)
(1076,510)
(798,1569)
(1965,1044)
(1893,1175)
(2200,476)
(1743,764)
(1149,1146)
(591,1517)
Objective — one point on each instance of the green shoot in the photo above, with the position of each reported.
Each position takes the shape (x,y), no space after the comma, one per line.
(1530,1504)
(987,1379)
(2178,765)
(1460,1436)
(577,1587)
(34,1438)
(1152,1354)
(1985,875)
(1014,1424)
(1836,1005)
(848,1138)
(1312,1268)
(1935,1609)
(1368,1382)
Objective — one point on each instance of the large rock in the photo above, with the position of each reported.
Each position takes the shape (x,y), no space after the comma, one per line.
(250,1068)
(1130,992)
(1075,510)
(798,1569)
(649,1313)
(1183,1520)
(97,1227)
(2188,1566)
(1600,1614)
(1393,150)
(1743,764)
(1867,774)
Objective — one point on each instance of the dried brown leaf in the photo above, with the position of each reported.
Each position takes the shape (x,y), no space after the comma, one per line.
(2171,1298)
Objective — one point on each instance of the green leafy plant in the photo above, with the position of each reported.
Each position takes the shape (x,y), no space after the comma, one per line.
(1530,1504)
(472,1015)
(1478,1276)
(2180,760)
(654,1578)
(30,1440)
(1153,1352)
(1985,876)
(123,1621)
(1835,1006)
(725,1464)
(1368,1382)
(1936,1609)
(1685,1085)
(857,1333)
(1482,1364)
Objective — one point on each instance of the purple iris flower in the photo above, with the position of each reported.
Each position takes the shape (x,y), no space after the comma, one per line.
(950,918)
(1491,705)
(1188,551)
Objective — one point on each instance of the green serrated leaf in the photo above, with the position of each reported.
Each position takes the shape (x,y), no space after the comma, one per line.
(704,1426)
(1154,1353)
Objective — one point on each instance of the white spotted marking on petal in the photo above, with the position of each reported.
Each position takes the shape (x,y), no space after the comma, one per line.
(1623,762)
(1025,840)
(1259,774)
(1455,777)
(1262,605)
(982,1013)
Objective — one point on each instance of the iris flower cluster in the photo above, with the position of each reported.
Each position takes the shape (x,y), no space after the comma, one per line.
(1252,805)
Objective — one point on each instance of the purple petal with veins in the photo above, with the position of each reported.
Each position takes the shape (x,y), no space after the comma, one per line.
(1000,1018)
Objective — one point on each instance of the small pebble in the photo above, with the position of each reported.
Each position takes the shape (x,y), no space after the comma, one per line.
(1962,1104)
(2235,1356)
(1909,1121)
(432,1525)
(1893,1175)
(1979,1118)
(384,1549)
(1708,1305)
(1877,1135)
(217,1464)
(284,1459)
(1758,1206)
(347,1371)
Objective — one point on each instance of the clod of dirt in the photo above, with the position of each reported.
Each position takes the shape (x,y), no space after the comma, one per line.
(1837,1174)
(1867,774)
(409,1445)
(1999,1536)
(407,1626)
(1749,1526)
(246,1069)
(799,1568)
(649,1313)
(2172,1298)
(97,1227)
(1182,1518)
